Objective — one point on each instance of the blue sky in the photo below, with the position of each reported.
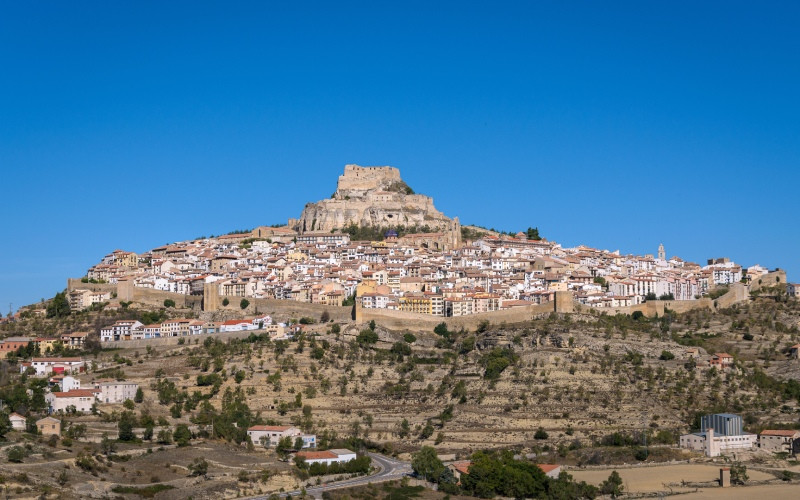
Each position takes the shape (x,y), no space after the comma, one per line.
(613,124)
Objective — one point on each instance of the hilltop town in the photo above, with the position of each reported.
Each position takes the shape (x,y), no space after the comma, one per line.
(421,261)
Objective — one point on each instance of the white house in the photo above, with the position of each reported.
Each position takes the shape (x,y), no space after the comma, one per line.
(66,383)
(327,457)
(115,391)
(80,399)
(269,435)
(121,330)
(17,421)
(46,366)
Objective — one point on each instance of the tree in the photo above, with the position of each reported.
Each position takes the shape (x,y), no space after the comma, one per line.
(533,233)
(127,421)
(182,435)
(600,280)
(426,464)
(15,454)
(284,446)
(612,486)
(540,434)
(164,436)
(198,467)
(107,445)
(650,296)
(59,306)
(441,329)
(324,317)
(298,443)
(128,404)
(244,303)
(225,301)
(367,336)
(5,424)
(169,303)
(139,397)
(147,435)
(739,473)
(404,429)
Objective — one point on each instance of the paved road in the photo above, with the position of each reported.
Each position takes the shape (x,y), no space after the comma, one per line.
(389,470)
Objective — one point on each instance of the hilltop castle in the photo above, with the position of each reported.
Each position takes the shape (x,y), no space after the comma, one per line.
(378,197)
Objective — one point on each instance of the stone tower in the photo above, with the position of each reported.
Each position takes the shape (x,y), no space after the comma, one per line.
(662,255)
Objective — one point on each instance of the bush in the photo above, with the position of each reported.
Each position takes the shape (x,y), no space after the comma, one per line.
(169,303)
(15,454)
(666,356)
(244,303)
(225,301)
(198,467)
(409,338)
(540,434)
(182,435)
(367,336)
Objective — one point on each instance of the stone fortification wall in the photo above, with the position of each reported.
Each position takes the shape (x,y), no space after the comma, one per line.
(402,320)
(156,298)
(283,310)
(76,284)
(357,178)
(777,277)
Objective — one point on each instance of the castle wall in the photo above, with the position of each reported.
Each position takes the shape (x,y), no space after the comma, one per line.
(403,320)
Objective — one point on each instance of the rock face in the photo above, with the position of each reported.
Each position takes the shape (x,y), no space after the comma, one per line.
(374,196)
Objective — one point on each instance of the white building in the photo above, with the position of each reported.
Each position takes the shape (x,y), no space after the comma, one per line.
(46,366)
(327,457)
(115,391)
(269,435)
(121,330)
(80,399)
(17,421)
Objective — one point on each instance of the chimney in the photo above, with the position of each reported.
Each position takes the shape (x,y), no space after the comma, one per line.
(710,442)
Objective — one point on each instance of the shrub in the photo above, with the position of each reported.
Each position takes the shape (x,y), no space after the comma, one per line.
(15,454)
(169,303)
(666,356)
(540,434)
(244,303)
(409,338)
(225,301)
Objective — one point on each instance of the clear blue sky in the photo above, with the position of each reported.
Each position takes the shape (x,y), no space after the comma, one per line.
(613,124)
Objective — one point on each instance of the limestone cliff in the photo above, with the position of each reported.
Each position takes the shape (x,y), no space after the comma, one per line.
(372,196)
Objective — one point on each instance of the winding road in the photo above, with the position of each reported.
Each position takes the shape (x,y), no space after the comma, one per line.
(389,470)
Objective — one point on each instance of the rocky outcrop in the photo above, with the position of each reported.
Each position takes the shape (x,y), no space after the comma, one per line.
(372,196)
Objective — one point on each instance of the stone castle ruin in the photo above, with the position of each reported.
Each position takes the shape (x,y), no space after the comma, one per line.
(377,197)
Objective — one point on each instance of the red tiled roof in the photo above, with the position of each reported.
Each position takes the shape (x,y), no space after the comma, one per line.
(312,455)
(277,428)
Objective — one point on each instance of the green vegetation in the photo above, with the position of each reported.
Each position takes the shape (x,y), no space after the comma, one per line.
(244,303)
(496,361)
(169,303)
(58,306)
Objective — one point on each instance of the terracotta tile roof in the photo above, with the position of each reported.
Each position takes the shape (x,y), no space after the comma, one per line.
(276,428)
(315,455)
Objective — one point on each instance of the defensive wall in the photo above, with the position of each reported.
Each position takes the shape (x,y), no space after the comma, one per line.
(403,320)
(776,277)
(77,284)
